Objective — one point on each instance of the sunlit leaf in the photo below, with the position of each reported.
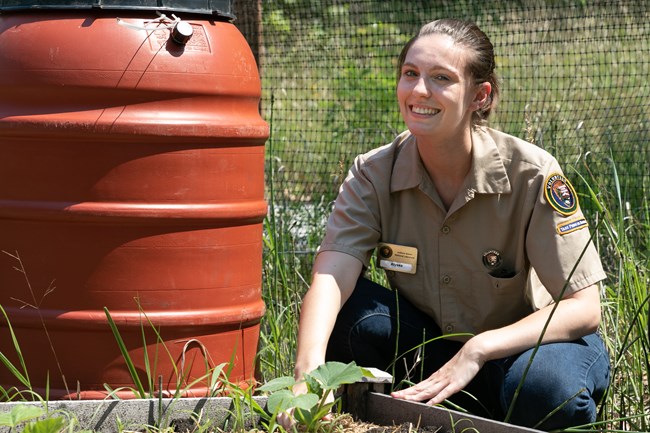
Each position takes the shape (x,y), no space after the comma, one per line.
(49,425)
(331,375)
(284,382)
(280,401)
(305,401)
(20,414)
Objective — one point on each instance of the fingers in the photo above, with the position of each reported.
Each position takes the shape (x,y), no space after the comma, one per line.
(443,395)
(442,384)
(286,420)
(434,390)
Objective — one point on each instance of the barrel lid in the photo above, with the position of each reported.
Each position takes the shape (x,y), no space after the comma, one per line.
(220,8)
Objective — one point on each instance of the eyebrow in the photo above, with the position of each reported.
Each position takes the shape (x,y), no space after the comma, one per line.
(435,68)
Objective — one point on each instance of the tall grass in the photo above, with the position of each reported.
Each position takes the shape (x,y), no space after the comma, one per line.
(624,244)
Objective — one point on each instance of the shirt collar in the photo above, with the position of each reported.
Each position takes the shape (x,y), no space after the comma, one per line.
(487,174)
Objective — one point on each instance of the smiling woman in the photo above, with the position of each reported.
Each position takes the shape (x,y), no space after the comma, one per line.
(461,216)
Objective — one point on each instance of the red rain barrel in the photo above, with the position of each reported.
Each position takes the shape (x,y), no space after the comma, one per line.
(132,178)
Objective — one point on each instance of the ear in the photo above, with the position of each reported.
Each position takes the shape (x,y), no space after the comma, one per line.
(483,92)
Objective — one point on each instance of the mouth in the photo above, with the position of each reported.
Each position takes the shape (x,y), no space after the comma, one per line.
(425,111)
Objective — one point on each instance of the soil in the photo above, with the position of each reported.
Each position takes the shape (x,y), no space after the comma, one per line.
(347,424)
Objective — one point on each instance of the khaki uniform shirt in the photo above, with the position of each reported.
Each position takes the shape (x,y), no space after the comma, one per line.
(516,215)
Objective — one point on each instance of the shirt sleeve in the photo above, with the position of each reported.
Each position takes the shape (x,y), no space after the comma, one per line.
(354,225)
(558,241)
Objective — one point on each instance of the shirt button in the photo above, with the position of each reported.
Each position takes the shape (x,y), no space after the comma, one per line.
(449,328)
(445,230)
(446,279)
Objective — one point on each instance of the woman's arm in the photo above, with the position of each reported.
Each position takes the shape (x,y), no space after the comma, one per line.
(333,279)
(577,315)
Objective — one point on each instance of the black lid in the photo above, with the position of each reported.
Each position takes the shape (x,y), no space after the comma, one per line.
(220,8)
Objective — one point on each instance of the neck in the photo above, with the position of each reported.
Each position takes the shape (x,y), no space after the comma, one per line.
(447,158)
(447,164)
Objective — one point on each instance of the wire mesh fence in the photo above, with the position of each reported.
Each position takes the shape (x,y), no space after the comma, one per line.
(574,80)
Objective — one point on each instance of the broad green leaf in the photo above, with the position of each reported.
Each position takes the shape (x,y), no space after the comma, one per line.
(332,374)
(48,425)
(305,401)
(280,401)
(284,399)
(284,382)
(20,414)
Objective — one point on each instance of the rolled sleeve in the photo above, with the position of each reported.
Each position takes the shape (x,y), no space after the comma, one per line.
(354,226)
(556,242)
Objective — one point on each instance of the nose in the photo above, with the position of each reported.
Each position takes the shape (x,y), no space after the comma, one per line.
(421,87)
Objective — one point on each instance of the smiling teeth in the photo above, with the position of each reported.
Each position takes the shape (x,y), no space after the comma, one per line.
(421,110)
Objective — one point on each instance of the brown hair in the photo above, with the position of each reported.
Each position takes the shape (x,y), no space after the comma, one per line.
(480,66)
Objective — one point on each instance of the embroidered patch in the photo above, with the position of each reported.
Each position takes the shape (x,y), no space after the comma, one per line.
(560,194)
(571,226)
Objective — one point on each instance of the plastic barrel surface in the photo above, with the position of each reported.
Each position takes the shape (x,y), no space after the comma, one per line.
(131,179)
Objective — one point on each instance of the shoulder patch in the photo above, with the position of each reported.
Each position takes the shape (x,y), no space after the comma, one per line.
(560,194)
(571,226)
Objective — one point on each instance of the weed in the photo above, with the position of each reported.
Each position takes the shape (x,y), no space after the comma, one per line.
(310,408)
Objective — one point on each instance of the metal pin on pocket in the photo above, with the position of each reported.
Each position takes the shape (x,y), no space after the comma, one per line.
(492,260)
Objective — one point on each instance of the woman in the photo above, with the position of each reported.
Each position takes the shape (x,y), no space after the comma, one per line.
(465,221)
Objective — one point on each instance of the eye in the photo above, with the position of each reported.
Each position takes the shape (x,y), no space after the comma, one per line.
(441,77)
(409,73)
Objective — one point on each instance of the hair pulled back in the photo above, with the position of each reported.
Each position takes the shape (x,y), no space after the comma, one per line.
(480,65)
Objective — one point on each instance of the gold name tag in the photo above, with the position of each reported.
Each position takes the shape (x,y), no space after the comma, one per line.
(397,258)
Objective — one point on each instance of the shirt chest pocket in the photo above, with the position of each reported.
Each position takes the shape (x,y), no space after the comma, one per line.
(499,301)
(505,285)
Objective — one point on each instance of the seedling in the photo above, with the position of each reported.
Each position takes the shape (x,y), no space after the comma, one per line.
(26,416)
(310,408)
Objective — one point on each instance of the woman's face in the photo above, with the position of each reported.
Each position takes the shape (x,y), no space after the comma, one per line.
(435,93)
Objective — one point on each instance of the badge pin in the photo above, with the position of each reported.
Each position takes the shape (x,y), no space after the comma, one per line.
(492,260)
(385,251)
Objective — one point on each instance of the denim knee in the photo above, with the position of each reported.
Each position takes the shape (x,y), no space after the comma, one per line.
(563,386)
(363,327)
(547,402)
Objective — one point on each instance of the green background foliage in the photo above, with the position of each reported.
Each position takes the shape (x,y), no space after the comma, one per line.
(573,78)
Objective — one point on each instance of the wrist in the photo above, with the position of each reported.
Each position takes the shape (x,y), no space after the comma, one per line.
(478,348)
(305,367)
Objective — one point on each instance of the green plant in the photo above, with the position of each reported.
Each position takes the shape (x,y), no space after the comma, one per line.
(309,408)
(214,377)
(27,417)
(624,240)
(20,373)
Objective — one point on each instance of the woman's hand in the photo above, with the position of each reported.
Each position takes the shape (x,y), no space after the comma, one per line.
(451,378)
(286,419)
(576,315)
(334,277)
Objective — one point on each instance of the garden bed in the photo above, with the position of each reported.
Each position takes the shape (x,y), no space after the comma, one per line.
(366,410)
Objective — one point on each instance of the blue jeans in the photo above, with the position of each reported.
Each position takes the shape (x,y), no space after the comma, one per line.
(572,376)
